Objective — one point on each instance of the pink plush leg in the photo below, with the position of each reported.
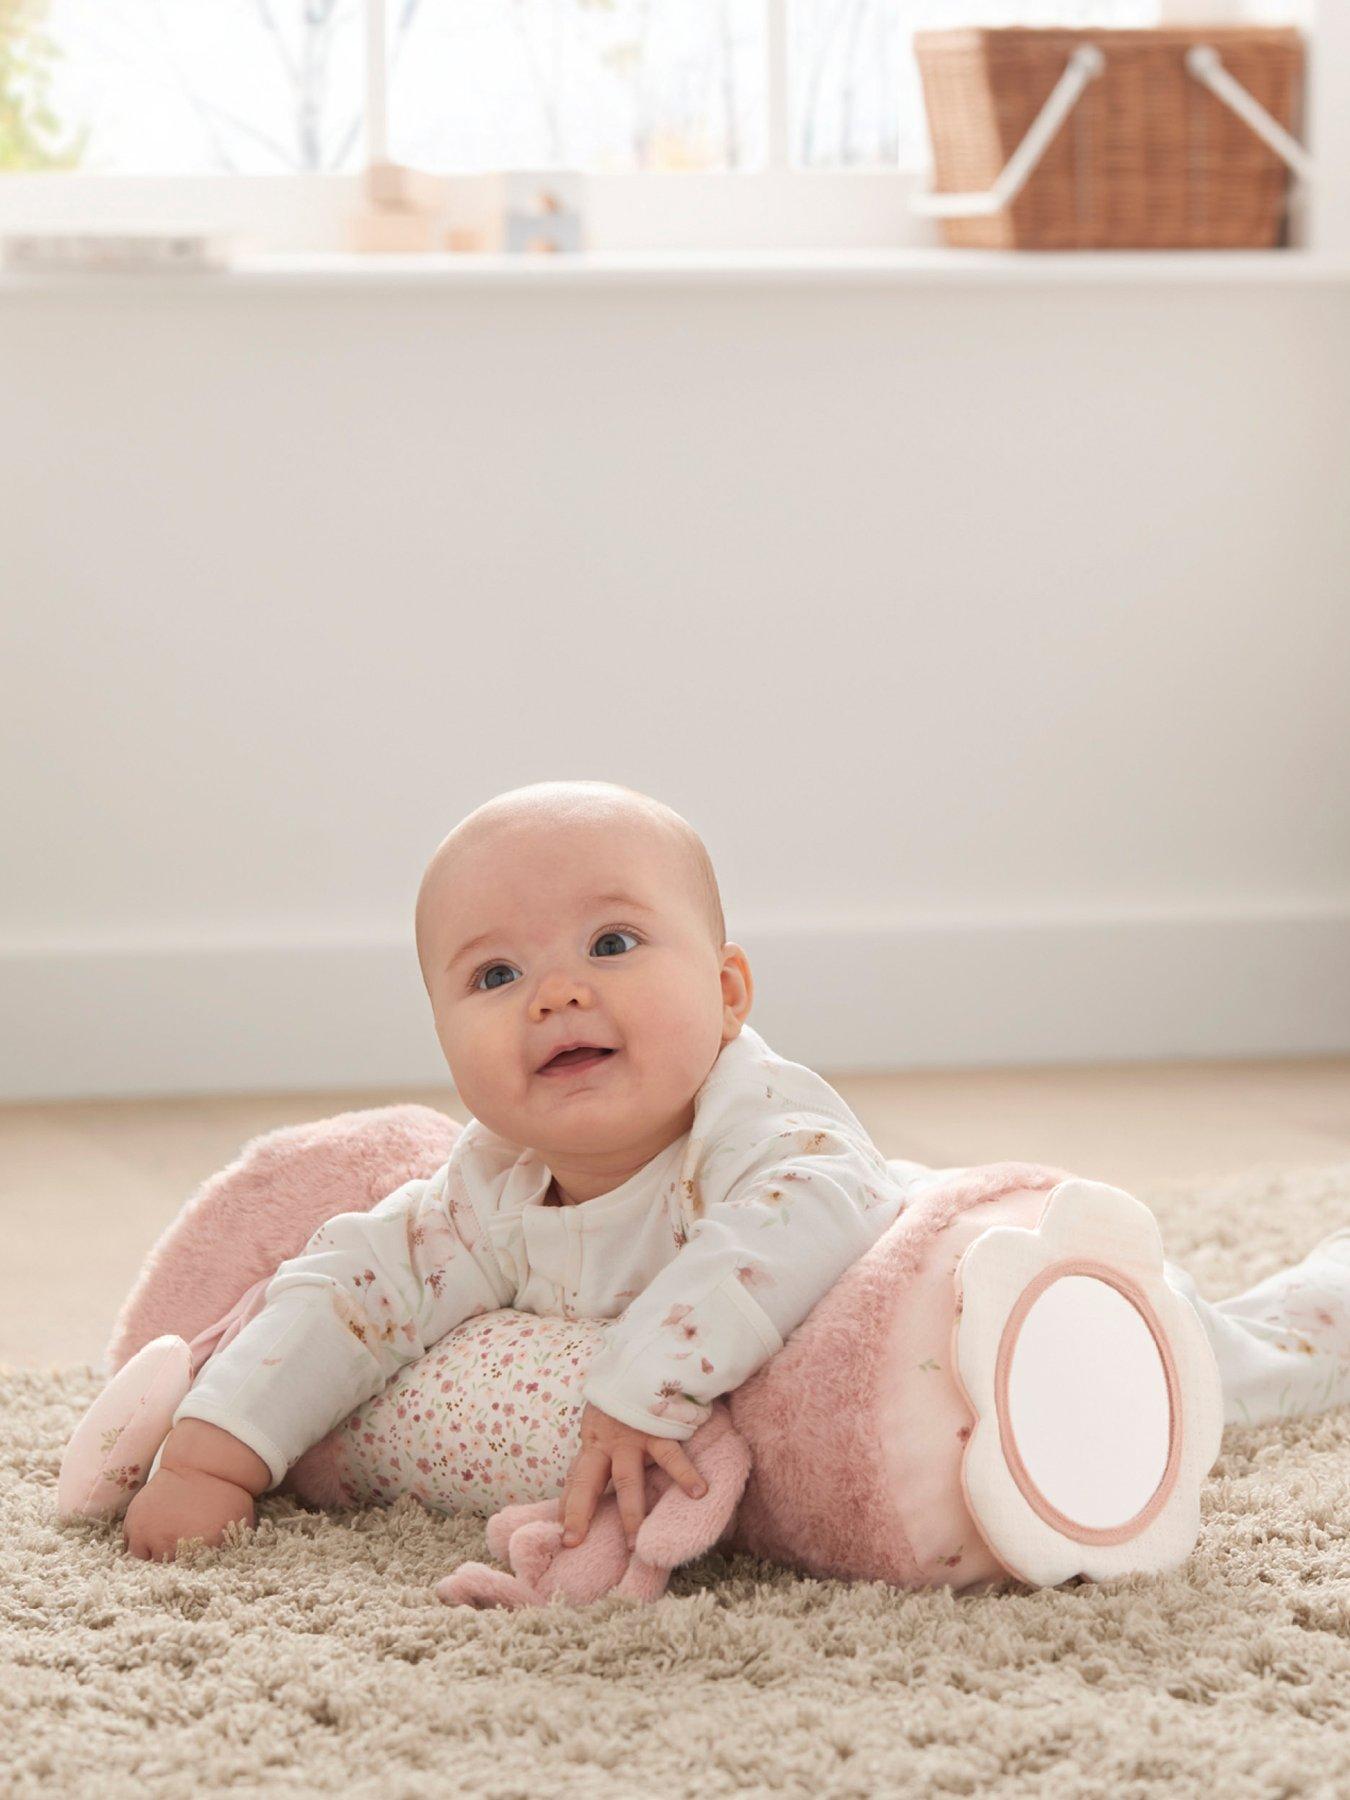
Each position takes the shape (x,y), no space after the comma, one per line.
(591,1569)
(529,1537)
(643,1581)
(679,1528)
(475,1584)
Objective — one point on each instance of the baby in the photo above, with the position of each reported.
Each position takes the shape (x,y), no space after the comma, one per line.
(637,1154)
(572,943)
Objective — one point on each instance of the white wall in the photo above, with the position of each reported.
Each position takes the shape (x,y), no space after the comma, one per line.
(1329,108)
(996,637)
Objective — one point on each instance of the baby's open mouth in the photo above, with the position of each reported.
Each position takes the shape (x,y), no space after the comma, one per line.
(585,1056)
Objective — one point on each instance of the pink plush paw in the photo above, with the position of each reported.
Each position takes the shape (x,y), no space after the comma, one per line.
(510,1519)
(533,1549)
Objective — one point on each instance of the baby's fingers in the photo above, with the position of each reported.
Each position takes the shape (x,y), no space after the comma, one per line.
(630,1488)
(671,1455)
(585,1483)
(137,1540)
(151,1547)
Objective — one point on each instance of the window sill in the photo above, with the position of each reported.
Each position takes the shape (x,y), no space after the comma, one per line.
(902,267)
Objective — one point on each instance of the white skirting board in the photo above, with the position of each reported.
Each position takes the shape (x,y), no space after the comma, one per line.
(116,1020)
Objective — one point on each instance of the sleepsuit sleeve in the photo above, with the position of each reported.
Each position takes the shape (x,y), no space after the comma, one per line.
(369,1292)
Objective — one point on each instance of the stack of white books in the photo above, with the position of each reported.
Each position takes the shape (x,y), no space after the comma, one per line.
(129,251)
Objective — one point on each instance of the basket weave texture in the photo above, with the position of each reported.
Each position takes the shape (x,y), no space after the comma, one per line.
(1149,158)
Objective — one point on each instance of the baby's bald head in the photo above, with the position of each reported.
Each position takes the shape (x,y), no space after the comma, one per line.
(538,820)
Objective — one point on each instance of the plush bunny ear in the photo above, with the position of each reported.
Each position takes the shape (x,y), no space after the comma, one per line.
(679,1528)
(108,1458)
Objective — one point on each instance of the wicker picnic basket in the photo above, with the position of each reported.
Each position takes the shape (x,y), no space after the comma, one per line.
(1148,157)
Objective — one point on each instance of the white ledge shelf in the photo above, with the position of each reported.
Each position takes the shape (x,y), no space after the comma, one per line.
(610,269)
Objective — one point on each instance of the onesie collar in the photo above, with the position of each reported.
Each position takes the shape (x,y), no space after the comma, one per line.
(641,1184)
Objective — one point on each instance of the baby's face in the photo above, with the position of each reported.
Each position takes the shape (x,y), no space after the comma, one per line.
(589,932)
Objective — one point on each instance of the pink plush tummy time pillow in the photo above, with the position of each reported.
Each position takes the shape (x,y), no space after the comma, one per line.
(855,1427)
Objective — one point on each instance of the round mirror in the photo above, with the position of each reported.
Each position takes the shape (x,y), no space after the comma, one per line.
(1088,1403)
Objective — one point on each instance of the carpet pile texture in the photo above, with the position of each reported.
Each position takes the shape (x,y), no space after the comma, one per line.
(311,1656)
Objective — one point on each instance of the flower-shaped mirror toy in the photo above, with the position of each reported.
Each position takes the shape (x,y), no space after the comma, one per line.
(1097,1402)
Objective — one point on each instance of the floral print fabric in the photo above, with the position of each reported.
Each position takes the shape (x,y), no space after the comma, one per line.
(488,1417)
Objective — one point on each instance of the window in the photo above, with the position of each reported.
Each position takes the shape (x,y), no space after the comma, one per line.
(602,85)
(193,87)
(814,104)
(855,93)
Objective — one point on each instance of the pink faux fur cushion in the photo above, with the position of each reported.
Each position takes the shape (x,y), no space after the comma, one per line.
(265,1206)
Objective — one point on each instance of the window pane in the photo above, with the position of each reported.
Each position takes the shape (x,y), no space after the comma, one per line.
(844,61)
(854,92)
(178,87)
(582,84)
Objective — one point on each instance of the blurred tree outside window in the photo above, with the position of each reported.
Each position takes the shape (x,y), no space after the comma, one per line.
(602,85)
(193,87)
(31,132)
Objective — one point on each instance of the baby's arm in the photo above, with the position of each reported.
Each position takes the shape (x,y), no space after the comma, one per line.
(367,1295)
(206,1481)
(753,1267)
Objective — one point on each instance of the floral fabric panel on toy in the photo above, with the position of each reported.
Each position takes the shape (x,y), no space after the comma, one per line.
(109,1455)
(489,1417)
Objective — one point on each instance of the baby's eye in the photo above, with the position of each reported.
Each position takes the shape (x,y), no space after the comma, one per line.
(486,972)
(618,931)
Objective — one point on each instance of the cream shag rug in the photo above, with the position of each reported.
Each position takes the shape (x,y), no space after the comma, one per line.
(313,1658)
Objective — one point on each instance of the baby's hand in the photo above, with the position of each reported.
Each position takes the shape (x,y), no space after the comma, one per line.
(176,1504)
(608,1443)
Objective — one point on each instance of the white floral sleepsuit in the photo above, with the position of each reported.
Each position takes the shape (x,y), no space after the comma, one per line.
(705,1261)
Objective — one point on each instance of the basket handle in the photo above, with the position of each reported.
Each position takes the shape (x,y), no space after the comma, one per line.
(1204,62)
(1087,62)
